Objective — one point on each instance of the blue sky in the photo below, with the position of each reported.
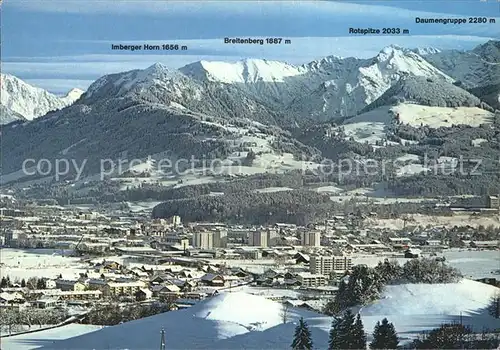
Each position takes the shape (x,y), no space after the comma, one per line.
(58,44)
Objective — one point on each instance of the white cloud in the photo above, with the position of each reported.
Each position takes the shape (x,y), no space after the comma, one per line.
(260,8)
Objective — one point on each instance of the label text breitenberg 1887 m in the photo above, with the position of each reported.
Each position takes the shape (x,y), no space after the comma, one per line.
(257,41)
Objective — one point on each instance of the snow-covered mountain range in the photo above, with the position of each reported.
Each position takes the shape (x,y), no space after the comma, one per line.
(321,89)
(203,107)
(20,100)
(324,89)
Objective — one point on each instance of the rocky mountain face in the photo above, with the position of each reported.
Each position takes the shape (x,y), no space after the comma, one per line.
(475,68)
(489,94)
(427,92)
(20,100)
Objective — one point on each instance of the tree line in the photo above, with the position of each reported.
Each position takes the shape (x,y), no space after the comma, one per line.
(347,332)
(365,284)
(112,314)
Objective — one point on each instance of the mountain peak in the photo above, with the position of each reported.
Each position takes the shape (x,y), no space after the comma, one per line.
(157,67)
(23,99)
(250,70)
(119,84)
(74,94)
(391,51)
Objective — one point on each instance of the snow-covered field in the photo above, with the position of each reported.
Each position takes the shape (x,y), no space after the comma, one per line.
(436,117)
(415,308)
(17,263)
(140,206)
(46,338)
(237,320)
(457,219)
(372,125)
(472,264)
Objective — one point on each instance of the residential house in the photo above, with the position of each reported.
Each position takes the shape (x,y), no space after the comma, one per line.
(67,285)
(47,302)
(165,289)
(50,283)
(412,253)
(107,266)
(212,280)
(301,258)
(7,298)
(399,242)
(143,294)
(484,244)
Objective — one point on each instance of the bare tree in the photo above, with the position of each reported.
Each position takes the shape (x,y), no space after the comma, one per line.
(285,312)
(9,320)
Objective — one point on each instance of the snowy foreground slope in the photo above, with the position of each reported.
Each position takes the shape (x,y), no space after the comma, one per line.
(243,321)
(45,338)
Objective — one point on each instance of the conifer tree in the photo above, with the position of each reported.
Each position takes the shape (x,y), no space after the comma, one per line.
(343,333)
(302,338)
(334,339)
(384,336)
(494,307)
(359,336)
(23,283)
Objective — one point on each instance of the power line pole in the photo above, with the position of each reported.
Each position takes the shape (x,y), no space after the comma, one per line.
(162,343)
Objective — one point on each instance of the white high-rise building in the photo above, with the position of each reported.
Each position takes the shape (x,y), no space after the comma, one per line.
(257,239)
(325,265)
(311,238)
(273,238)
(203,240)
(220,238)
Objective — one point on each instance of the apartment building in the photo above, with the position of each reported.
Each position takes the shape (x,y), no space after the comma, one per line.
(203,240)
(220,238)
(174,221)
(311,238)
(325,265)
(273,237)
(308,279)
(257,239)
(114,289)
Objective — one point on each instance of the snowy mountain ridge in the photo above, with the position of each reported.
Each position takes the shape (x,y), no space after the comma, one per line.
(353,83)
(244,71)
(137,80)
(424,51)
(19,99)
(323,89)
